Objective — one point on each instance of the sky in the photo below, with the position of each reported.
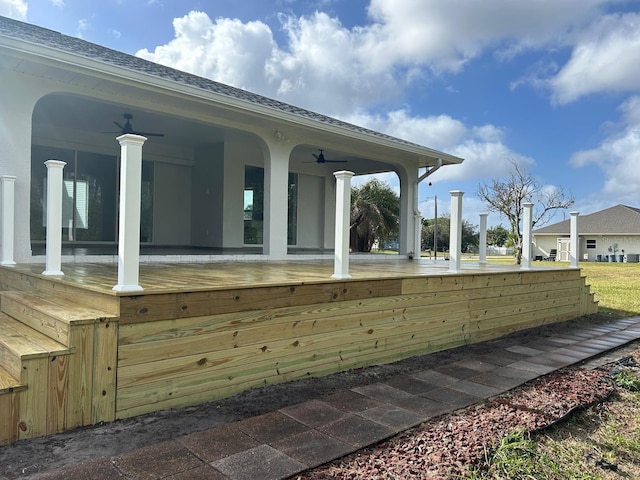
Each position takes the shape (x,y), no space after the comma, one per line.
(550,85)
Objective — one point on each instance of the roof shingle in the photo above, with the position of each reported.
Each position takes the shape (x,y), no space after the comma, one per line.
(620,219)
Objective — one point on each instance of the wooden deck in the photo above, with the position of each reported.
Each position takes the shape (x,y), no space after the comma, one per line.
(74,352)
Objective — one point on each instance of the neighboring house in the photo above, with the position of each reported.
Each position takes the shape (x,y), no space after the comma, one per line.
(223,169)
(609,232)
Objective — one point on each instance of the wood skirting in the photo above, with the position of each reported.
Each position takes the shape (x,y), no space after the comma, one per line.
(114,356)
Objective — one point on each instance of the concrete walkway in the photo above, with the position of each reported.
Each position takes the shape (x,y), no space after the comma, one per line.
(289,440)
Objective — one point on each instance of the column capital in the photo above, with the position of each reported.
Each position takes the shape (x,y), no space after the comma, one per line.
(456,193)
(343,174)
(55,163)
(8,178)
(131,139)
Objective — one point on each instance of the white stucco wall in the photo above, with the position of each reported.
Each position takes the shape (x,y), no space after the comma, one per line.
(172,204)
(15,154)
(629,243)
(310,214)
(207,196)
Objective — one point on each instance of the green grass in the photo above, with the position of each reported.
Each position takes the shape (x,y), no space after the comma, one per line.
(602,442)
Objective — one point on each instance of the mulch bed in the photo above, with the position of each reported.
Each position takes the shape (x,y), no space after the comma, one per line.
(453,444)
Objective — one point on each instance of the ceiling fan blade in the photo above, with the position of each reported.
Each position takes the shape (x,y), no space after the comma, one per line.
(122,129)
(335,161)
(148,134)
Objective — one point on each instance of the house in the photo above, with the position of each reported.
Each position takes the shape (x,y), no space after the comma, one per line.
(221,170)
(612,232)
(224,170)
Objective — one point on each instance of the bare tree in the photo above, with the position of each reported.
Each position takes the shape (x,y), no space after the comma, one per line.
(506,196)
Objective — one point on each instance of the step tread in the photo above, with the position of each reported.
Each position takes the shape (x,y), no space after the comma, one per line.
(26,342)
(8,383)
(58,308)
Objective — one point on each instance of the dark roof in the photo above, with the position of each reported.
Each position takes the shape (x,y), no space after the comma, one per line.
(51,39)
(621,219)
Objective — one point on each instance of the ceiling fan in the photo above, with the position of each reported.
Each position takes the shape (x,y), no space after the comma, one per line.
(127,128)
(320,158)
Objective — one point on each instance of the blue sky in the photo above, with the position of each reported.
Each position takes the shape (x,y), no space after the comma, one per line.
(553,85)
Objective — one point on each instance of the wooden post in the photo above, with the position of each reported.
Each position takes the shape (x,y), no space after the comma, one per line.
(54,217)
(526,235)
(343,215)
(455,231)
(129,227)
(574,252)
(7,183)
(482,260)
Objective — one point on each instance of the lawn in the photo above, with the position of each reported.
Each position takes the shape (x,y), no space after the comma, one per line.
(601,442)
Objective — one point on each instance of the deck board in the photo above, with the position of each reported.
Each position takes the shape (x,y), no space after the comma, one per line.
(221,275)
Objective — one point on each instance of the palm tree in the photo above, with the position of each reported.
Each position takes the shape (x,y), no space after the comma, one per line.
(375,209)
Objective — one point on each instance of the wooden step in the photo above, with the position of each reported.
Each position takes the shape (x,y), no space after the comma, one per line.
(9,383)
(50,316)
(19,342)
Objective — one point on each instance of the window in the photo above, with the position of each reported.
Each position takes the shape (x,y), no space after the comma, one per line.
(90,196)
(254,204)
(591,244)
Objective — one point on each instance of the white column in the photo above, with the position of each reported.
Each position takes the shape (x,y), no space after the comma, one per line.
(129,226)
(455,231)
(483,239)
(343,215)
(276,201)
(526,235)
(418,233)
(407,236)
(54,217)
(7,184)
(574,252)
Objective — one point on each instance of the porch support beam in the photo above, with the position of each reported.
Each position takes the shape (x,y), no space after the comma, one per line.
(455,231)
(343,216)
(54,217)
(129,226)
(527,226)
(408,234)
(482,260)
(574,250)
(7,184)
(276,198)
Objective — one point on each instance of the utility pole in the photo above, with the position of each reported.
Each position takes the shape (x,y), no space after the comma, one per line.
(435,229)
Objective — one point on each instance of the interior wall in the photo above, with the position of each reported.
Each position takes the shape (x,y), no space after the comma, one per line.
(207,194)
(237,154)
(310,211)
(172,204)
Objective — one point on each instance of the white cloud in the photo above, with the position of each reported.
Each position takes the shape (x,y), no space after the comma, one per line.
(16,9)
(58,3)
(226,50)
(447,34)
(605,59)
(485,153)
(618,157)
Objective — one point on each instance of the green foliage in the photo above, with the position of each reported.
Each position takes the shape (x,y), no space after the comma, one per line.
(497,236)
(518,457)
(470,236)
(375,212)
(627,379)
